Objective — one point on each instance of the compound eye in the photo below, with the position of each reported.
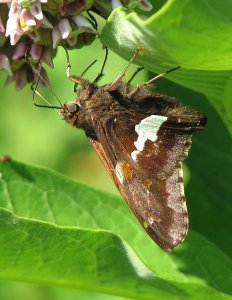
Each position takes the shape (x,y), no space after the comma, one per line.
(73,107)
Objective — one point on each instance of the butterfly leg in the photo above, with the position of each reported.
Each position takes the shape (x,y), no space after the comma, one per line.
(99,76)
(135,90)
(118,79)
(76,79)
(135,73)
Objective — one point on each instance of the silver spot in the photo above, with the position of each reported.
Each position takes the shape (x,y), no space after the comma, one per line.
(150,220)
(147,130)
(134,154)
(181,184)
(119,172)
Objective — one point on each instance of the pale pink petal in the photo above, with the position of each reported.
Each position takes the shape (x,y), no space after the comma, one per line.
(44,23)
(28,18)
(12,25)
(47,57)
(5,64)
(36,51)
(64,28)
(83,24)
(20,50)
(15,37)
(145,5)
(36,11)
(13,30)
(56,36)
(2,29)
(15,10)
(116,3)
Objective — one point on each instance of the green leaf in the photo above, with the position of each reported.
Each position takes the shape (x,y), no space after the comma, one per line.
(56,231)
(197,35)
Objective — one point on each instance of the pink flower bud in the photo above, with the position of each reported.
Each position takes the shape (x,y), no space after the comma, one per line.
(28,19)
(20,78)
(2,29)
(47,57)
(44,23)
(36,51)
(5,64)
(36,11)
(64,28)
(145,5)
(56,36)
(83,24)
(20,50)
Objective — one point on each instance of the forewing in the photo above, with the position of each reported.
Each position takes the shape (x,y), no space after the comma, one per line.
(165,144)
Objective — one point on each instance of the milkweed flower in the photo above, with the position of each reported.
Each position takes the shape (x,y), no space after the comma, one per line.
(35,28)
(132,4)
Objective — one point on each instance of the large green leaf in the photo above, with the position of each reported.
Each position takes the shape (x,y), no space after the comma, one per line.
(197,35)
(56,231)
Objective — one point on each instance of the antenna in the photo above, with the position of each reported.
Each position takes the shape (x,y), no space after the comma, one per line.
(34,89)
(35,85)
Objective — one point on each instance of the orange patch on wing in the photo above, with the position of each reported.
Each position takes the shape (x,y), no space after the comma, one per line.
(127,170)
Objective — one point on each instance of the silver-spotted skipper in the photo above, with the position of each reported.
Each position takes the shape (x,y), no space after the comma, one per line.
(141,137)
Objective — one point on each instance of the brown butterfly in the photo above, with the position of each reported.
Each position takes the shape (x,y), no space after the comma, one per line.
(141,137)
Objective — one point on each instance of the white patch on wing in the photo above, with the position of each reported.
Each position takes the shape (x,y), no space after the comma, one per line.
(147,129)
(134,154)
(119,172)
(182,185)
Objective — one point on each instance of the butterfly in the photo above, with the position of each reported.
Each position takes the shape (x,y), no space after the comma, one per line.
(142,138)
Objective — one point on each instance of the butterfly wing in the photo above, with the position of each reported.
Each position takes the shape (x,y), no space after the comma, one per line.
(151,181)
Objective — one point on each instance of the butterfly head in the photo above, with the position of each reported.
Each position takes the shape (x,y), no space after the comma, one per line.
(77,114)
(70,111)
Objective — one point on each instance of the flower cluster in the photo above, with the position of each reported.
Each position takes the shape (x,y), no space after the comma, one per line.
(31,31)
